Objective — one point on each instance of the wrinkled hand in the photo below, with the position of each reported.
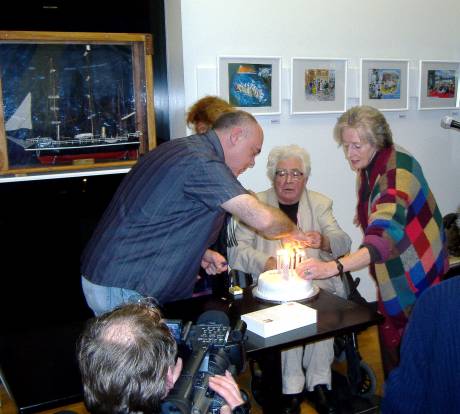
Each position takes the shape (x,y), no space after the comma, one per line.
(316,269)
(213,262)
(227,388)
(270,264)
(303,239)
(315,239)
(297,240)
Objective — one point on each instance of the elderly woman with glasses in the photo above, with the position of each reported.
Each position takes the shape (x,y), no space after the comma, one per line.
(288,169)
(404,242)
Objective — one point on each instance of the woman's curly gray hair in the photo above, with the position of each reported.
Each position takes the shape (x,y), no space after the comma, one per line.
(284,152)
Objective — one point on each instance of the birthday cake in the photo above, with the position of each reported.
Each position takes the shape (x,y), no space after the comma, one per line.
(275,285)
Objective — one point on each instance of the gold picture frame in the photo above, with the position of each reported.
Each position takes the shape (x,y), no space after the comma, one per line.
(72,101)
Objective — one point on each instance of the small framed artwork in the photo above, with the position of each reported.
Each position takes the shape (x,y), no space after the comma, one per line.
(438,84)
(318,85)
(384,84)
(252,84)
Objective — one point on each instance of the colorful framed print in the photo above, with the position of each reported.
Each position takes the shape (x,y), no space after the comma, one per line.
(318,85)
(438,84)
(384,84)
(252,84)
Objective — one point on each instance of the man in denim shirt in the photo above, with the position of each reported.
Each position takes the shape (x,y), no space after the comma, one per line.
(168,210)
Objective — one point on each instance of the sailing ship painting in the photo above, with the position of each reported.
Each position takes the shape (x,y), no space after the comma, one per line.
(69,103)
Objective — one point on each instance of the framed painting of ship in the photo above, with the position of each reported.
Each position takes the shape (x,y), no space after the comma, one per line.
(74,101)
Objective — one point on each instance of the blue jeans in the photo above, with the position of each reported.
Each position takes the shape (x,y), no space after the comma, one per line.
(102,299)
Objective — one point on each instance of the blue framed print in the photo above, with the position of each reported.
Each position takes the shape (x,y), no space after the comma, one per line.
(384,84)
(251,83)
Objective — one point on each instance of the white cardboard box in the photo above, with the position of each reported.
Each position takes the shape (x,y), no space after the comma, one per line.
(280,318)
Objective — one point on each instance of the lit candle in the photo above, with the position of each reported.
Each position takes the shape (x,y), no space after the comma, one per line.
(279,258)
(285,264)
(293,259)
(301,256)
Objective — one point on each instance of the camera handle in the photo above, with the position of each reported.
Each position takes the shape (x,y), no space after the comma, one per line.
(186,331)
(237,334)
(180,397)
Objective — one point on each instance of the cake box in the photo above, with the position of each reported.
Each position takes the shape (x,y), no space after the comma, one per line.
(279,318)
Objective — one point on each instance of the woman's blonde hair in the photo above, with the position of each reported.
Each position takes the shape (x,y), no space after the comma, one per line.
(370,124)
(207,110)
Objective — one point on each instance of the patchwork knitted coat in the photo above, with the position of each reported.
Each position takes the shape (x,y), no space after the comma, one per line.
(403,225)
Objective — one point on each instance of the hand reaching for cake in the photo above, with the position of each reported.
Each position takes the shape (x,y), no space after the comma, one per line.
(307,239)
(298,239)
(314,239)
(270,264)
(316,269)
(213,262)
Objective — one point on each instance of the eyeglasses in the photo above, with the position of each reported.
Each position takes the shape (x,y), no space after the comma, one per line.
(294,174)
(356,146)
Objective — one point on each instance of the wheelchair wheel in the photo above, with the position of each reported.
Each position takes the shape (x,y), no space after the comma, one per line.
(256,382)
(368,384)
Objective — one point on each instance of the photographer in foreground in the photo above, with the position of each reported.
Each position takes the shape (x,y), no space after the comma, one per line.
(127,363)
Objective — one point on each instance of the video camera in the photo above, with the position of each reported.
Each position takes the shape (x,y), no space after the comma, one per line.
(212,348)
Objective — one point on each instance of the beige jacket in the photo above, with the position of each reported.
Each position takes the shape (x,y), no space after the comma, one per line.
(315,214)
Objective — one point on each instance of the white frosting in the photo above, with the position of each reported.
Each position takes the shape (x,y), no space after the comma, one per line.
(272,285)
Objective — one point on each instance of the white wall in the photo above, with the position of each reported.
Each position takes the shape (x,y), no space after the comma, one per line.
(398,29)
(175,67)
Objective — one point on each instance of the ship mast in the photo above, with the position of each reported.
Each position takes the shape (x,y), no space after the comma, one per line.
(120,99)
(53,98)
(89,82)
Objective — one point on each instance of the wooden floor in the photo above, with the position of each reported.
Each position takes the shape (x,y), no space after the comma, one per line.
(368,347)
(370,352)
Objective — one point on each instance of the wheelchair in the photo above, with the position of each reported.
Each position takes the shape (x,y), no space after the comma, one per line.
(360,376)
(360,379)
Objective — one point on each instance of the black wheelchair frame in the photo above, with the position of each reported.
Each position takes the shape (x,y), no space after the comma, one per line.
(361,379)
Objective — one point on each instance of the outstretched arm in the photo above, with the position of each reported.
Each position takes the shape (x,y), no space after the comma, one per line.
(244,256)
(269,221)
(317,269)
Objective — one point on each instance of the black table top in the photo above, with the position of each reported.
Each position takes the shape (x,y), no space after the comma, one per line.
(336,316)
(40,368)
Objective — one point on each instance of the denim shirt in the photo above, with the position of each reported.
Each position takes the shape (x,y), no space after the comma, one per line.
(165,214)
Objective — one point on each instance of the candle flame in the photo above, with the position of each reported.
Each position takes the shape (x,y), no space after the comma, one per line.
(288,259)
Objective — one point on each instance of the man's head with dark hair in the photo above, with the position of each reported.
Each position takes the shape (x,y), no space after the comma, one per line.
(234,118)
(127,361)
(241,137)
